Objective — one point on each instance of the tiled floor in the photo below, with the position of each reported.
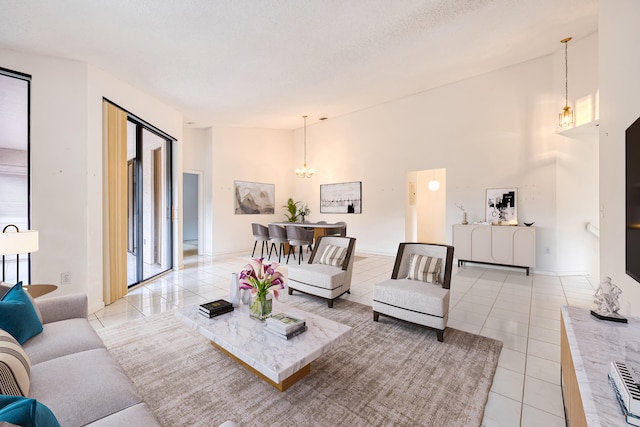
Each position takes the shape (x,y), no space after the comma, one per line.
(522,311)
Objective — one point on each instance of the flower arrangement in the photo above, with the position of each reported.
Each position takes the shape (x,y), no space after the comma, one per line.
(304,211)
(262,279)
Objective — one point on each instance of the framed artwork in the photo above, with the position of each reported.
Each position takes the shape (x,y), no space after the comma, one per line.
(341,198)
(502,205)
(254,198)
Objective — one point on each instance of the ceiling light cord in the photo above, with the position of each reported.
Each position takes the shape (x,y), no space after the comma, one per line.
(304,172)
(566,74)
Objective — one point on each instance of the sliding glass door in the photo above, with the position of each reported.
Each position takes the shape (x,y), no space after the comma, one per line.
(149,236)
(14,167)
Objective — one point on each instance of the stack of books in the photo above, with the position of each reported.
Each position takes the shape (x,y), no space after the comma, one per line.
(285,326)
(215,308)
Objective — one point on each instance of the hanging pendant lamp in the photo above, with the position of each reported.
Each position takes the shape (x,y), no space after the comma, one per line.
(434,184)
(565,118)
(305,172)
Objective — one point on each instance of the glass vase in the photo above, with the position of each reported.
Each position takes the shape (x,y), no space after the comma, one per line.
(261,306)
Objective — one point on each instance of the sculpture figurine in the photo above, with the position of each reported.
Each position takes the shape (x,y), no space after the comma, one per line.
(607,301)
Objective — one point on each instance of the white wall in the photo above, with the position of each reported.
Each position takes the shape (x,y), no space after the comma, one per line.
(491,131)
(59,150)
(66,158)
(619,108)
(255,155)
(577,169)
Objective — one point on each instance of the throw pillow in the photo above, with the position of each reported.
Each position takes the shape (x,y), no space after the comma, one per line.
(18,316)
(15,367)
(5,287)
(424,268)
(26,412)
(333,255)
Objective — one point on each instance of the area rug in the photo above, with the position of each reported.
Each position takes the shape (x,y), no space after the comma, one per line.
(388,373)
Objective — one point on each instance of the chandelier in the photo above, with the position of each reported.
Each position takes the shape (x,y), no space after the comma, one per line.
(565,118)
(305,172)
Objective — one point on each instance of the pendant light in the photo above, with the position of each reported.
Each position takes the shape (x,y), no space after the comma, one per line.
(305,172)
(565,118)
(434,184)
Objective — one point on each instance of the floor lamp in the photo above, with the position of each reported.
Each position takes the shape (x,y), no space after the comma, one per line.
(18,242)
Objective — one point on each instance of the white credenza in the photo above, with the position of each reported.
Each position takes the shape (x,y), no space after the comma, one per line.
(511,246)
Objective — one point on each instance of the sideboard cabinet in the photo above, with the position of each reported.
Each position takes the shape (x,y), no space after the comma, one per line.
(511,246)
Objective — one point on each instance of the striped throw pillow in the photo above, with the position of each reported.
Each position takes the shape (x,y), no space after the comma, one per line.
(333,255)
(15,367)
(424,268)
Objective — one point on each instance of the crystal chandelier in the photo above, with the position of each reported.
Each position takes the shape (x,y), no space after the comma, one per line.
(565,118)
(305,172)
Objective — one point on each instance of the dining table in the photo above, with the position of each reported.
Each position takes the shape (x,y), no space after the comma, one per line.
(319,228)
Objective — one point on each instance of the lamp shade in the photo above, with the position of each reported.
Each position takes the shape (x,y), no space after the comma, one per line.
(19,242)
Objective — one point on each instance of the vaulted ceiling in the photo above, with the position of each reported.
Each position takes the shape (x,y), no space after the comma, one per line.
(265,63)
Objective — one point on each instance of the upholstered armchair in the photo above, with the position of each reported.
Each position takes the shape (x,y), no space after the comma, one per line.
(418,291)
(329,270)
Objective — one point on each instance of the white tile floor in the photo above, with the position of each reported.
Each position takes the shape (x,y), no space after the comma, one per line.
(522,311)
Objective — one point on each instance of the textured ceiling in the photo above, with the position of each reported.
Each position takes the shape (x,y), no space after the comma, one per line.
(265,63)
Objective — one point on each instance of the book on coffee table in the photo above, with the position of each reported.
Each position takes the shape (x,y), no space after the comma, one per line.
(284,323)
(215,308)
(285,336)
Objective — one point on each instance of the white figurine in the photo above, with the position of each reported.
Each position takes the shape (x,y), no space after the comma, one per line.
(607,297)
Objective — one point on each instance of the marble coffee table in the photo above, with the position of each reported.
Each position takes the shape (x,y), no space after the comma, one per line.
(279,362)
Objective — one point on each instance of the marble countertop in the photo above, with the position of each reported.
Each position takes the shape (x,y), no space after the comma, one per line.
(274,357)
(594,344)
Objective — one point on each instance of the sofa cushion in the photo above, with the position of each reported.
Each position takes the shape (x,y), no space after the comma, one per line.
(333,255)
(412,295)
(83,387)
(14,367)
(136,415)
(320,275)
(26,412)
(62,338)
(424,268)
(18,316)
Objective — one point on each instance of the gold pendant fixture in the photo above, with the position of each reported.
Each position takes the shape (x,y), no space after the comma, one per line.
(305,172)
(565,118)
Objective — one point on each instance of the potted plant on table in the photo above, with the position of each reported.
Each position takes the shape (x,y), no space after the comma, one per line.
(292,210)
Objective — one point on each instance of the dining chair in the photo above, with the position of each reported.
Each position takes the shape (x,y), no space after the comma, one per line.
(261,234)
(278,235)
(298,236)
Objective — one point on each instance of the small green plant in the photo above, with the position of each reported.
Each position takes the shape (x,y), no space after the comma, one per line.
(292,209)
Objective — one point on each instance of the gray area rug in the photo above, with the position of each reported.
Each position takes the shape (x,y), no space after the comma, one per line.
(389,373)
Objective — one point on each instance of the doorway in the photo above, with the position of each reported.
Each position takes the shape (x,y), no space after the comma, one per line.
(426,208)
(191,217)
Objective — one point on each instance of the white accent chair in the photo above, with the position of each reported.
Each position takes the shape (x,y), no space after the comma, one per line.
(416,301)
(321,279)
